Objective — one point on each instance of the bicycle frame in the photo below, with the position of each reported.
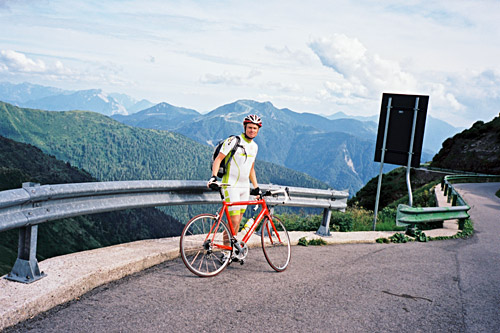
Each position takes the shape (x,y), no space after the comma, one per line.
(208,243)
(264,212)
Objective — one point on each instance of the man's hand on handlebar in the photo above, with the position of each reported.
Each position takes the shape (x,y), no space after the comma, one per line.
(212,183)
(255,191)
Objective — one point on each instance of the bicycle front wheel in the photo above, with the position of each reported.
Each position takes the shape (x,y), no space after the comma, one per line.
(275,243)
(202,245)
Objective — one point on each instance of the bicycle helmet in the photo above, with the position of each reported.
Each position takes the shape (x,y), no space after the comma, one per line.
(253,119)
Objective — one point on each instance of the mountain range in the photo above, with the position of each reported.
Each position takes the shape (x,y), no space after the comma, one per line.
(110,150)
(54,99)
(337,150)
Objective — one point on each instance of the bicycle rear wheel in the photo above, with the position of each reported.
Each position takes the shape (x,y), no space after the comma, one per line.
(202,245)
(275,243)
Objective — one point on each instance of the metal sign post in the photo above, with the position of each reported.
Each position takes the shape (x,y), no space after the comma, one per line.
(410,153)
(382,162)
(400,136)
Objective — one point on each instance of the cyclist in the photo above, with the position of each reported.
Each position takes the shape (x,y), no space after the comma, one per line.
(240,169)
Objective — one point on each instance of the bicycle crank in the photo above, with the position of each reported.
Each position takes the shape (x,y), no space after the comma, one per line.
(240,251)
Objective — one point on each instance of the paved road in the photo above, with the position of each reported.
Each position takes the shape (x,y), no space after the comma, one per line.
(450,286)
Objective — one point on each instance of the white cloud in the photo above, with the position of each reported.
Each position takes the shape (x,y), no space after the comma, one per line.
(477,93)
(227,78)
(319,56)
(359,77)
(362,74)
(283,87)
(17,65)
(15,62)
(343,54)
(285,53)
(224,78)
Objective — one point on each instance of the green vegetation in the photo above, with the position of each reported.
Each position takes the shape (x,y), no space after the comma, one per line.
(395,191)
(353,219)
(315,242)
(25,163)
(357,218)
(111,151)
(103,149)
(420,236)
(476,149)
(106,150)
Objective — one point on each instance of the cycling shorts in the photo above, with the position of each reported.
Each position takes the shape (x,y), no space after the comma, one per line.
(236,194)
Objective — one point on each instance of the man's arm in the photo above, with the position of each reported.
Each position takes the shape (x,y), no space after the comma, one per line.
(253,177)
(216,164)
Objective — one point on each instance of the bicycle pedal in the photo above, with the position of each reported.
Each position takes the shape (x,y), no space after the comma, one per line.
(242,262)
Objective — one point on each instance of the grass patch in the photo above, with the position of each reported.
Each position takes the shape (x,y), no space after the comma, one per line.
(353,219)
(420,236)
(357,218)
(466,233)
(316,242)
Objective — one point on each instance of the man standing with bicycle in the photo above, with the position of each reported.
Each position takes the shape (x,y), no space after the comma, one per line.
(240,168)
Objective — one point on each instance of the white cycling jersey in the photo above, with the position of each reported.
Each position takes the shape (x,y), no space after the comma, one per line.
(238,170)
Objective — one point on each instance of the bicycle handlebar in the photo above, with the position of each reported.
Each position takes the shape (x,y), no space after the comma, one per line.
(273,193)
(285,191)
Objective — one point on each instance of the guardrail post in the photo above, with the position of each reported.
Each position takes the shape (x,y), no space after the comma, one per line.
(454,199)
(324,228)
(26,268)
(461,224)
(448,194)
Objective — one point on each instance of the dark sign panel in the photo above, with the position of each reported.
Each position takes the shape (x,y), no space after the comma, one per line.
(400,128)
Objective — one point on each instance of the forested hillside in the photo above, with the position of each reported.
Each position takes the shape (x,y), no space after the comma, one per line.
(476,149)
(394,188)
(111,151)
(25,163)
(106,148)
(338,152)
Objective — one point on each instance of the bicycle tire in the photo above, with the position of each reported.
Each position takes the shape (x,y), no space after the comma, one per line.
(197,248)
(276,246)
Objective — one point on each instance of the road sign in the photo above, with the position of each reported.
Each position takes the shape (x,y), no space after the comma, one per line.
(399,134)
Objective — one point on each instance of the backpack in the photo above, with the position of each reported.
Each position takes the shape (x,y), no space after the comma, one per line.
(223,165)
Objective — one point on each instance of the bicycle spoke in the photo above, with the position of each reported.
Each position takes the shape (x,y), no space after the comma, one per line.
(200,237)
(196,256)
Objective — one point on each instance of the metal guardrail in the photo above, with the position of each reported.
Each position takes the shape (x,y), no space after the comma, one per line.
(455,179)
(451,172)
(33,204)
(410,216)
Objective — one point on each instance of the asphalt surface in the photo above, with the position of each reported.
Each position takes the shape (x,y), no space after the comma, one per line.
(440,286)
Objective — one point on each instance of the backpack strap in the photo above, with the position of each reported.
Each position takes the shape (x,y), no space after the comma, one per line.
(233,150)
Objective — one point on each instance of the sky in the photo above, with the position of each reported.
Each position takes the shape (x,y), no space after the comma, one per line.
(317,56)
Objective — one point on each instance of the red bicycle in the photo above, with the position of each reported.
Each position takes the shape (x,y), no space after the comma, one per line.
(208,243)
